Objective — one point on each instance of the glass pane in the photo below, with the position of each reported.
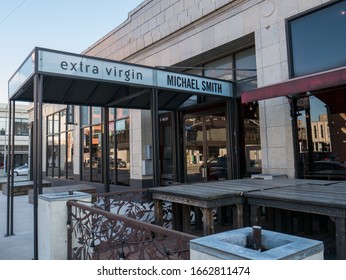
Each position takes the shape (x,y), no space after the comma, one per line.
(318,40)
(22,74)
(62,155)
(96,154)
(56,156)
(112,155)
(86,154)
(3,126)
(122,113)
(85,115)
(63,120)
(216,163)
(252,140)
(194,149)
(322,136)
(56,123)
(166,150)
(111,114)
(70,155)
(96,115)
(50,124)
(50,156)
(123,151)
(245,63)
(221,69)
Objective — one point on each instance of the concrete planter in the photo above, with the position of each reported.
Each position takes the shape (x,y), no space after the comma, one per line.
(232,245)
(52,219)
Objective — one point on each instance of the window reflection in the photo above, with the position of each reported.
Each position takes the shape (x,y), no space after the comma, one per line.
(322,136)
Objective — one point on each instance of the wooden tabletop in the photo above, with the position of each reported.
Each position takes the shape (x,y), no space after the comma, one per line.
(216,189)
(307,197)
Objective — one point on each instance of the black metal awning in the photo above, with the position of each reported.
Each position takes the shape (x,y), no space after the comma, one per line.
(88,81)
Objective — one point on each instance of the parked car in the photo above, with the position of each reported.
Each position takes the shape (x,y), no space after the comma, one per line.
(21,170)
(327,170)
(319,156)
(121,163)
(216,168)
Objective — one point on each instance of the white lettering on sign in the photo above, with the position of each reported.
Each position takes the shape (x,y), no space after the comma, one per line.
(93,68)
(191,83)
(74,65)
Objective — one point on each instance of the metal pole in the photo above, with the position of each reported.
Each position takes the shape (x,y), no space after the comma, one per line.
(155,138)
(12,162)
(8,216)
(37,166)
(105,150)
(233,143)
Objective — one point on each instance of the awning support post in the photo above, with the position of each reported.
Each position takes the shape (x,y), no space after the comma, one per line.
(155,137)
(37,153)
(105,145)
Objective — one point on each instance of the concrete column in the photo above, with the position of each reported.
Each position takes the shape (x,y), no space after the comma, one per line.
(52,220)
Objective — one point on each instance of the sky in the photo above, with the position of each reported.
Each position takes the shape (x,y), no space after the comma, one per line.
(66,25)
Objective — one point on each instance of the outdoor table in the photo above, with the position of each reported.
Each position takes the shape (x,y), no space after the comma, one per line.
(327,199)
(210,195)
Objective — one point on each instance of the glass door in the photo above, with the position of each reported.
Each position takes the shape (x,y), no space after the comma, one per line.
(215,166)
(206,147)
(194,149)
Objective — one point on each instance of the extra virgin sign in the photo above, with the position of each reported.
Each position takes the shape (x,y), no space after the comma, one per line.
(93,68)
(59,63)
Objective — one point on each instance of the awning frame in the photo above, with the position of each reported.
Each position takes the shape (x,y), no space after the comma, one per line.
(296,86)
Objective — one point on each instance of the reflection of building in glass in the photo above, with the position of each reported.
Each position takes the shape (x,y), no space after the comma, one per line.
(320,134)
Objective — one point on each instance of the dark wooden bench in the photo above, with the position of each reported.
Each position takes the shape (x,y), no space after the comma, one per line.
(59,189)
(23,187)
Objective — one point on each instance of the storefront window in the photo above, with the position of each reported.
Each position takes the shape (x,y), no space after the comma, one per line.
(166,150)
(96,115)
(50,125)
(3,126)
(21,127)
(63,121)
(69,154)
(50,156)
(122,131)
(220,69)
(56,163)
(62,155)
(86,154)
(85,115)
(252,141)
(322,136)
(96,154)
(317,36)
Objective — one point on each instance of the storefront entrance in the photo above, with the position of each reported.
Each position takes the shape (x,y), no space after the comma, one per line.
(205,145)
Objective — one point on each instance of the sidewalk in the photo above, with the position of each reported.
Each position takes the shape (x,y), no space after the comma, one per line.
(19,246)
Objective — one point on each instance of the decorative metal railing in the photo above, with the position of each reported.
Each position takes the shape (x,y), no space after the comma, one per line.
(136,204)
(94,233)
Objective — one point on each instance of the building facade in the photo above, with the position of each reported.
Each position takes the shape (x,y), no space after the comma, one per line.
(21,132)
(253,44)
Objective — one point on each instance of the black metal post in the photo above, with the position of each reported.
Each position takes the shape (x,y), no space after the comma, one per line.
(155,137)
(233,143)
(11,193)
(9,171)
(294,121)
(105,150)
(37,154)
